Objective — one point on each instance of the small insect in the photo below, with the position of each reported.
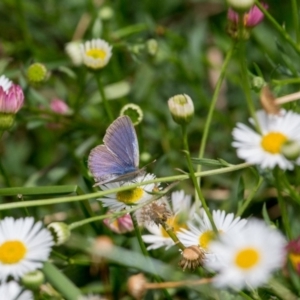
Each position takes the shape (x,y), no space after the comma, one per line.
(118,158)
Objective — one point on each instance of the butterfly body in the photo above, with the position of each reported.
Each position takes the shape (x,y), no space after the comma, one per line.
(118,158)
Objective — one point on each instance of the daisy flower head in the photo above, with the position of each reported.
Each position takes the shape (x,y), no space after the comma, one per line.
(96,53)
(265,149)
(182,211)
(200,231)
(24,246)
(247,257)
(126,199)
(119,225)
(13,291)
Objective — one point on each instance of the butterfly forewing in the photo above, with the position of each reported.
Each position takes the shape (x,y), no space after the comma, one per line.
(120,138)
(118,158)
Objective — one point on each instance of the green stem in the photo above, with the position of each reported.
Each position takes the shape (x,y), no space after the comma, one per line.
(278,27)
(213,104)
(145,252)
(296,19)
(103,97)
(246,85)
(242,209)
(173,236)
(60,282)
(282,203)
(138,235)
(282,291)
(40,202)
(194,180)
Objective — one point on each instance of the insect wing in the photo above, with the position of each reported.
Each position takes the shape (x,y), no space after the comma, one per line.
(104,165)
(120,138)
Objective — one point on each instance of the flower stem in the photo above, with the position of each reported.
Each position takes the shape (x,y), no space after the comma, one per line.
(103,97)
(39,202)
(242,209)
(246,85)
(213,104)
(278,27)
(296,19)
(193,177)
(282,203)
(144,250)
(173,236)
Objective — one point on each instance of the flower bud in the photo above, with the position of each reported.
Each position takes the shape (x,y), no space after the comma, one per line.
(106,13)
(60,232)
(291,150)
(120,225)
(37,73)
(134,112)
(152,46)
(192,257)
(33,280)
(59,106)
(257,83)
(181,108)
(136,286)
(240,5)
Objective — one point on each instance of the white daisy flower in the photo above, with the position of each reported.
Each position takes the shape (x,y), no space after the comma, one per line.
(129,198)
(74,52)
(13,291)
(266,149)
(201,233)
(182,212)
(24,246)
(96,53)
(247,257)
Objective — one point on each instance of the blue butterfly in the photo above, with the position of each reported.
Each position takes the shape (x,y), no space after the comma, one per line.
(118,158)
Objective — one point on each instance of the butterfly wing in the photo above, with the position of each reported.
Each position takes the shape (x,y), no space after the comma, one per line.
(104,165)
(118,158)
(120,138)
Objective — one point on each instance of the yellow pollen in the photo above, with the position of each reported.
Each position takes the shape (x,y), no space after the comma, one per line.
(11,252)
(96,53)
(295,260)
(205,239)
(130,196)
(247,258)
(273,141)
(175,223)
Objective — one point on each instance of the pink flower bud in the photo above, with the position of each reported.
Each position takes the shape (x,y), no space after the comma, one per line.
(11,96)
(59,106)
(119,225)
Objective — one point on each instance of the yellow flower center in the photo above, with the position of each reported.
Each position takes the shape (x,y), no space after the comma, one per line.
(96,53)
(175,223)
(11,252)
(295,260)
(205,239)
(273,141)
(247,258)
(130,196)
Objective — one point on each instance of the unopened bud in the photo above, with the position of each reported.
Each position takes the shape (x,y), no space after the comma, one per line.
(134,112)
(152,46)
(136,286)
(241,5)
(181,108)
(291,150)
(257,83)
(37,73)
(33,280)
(60,232)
